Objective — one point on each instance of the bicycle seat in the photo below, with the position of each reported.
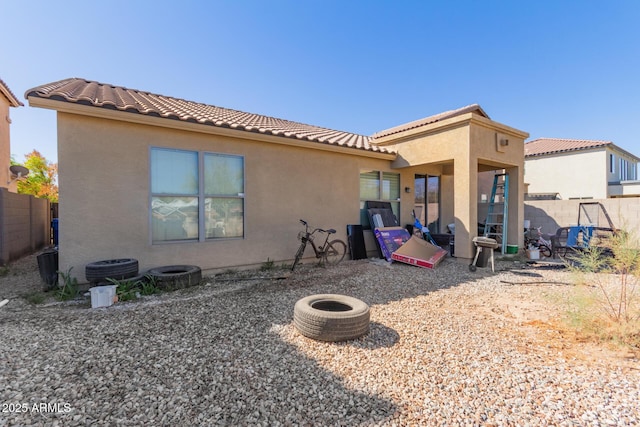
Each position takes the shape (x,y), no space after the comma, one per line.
(331,231)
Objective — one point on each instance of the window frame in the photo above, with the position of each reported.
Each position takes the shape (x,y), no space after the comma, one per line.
(381,190)
(201,197)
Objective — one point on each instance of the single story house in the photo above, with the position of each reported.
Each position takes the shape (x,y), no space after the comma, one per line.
(169,181)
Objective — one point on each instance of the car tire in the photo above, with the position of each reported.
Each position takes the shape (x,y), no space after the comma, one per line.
(171,277)
(331,317)
(116,269)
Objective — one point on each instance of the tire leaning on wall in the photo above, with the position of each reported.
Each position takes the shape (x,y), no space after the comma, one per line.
(172,277)
(117,269)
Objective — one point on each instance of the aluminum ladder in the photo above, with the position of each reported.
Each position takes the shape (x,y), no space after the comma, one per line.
(495,226)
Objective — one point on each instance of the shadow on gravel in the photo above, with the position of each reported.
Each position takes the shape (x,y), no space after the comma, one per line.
(209,360)
(379,336)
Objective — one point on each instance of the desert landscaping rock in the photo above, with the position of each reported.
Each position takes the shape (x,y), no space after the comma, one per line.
(445,347)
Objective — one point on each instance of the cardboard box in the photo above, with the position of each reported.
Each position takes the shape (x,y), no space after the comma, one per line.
(419,252)
(390,239)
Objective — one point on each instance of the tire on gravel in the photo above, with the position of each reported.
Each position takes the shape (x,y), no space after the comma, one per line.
(117,269)
(331,317)
(172,277)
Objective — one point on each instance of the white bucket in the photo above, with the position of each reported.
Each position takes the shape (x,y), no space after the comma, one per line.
(102,296)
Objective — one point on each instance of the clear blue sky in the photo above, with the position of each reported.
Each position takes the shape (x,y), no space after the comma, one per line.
(565,69)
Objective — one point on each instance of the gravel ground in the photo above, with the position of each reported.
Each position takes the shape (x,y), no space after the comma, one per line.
(446,347)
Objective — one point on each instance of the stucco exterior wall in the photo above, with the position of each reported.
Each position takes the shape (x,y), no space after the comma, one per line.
(581,174)
(5,145)
(463,147)
(104,176)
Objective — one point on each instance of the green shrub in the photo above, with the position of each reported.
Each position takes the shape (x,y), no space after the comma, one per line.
(128,290)
(267,265)
(36,297)
(68,289)
(608,305)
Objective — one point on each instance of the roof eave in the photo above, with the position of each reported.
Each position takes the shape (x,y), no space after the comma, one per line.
(135,117)
(13,101)
(453,122)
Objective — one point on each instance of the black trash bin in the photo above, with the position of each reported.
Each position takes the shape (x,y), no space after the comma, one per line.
(48,267)
(483,258)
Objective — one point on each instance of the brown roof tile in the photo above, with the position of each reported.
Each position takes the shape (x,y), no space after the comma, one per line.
(81,91)
(473,108)
(4,89)
(541,146)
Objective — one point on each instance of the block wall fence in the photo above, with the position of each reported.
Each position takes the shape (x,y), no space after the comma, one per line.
(25,225)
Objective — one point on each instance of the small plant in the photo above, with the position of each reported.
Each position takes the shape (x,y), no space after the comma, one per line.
(128,290)
(609,307)
(4,270)
(149,286)
(35,297)
(69,288)
(267,265)
(285,266)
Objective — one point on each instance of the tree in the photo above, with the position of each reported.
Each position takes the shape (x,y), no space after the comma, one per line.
(42,179)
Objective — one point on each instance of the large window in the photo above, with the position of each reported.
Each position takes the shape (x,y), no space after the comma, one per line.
(379,186)
(196,196)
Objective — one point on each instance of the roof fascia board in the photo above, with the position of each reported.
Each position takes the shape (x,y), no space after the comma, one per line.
(614,147)
(447,124)
(12,99)
(569,151)
(103,113)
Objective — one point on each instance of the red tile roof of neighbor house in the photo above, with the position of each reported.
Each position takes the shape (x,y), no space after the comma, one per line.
(85,92)
(541,146)
(4,89)
(473,108)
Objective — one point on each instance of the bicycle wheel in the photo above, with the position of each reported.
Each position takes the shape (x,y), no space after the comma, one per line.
(303,246)
(545,251)
(334,252)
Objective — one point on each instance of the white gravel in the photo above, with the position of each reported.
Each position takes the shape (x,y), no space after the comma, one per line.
(446,347)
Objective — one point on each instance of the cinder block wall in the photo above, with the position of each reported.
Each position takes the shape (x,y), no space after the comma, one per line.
(25,225)
(552,214)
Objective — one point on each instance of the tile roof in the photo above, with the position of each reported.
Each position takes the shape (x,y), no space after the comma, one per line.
(85,92)
(473,108)
(4,89)
(541,146)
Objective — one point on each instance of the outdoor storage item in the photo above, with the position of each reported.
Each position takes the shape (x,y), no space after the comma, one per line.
(512,249)
(389,239)
(419,252)
(483,243)
(533,253)
(54,227)
(356,242)
(102,296)
(48,267)
(445,241)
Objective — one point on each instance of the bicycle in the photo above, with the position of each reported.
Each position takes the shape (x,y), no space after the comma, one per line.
(538,241)
(330,252)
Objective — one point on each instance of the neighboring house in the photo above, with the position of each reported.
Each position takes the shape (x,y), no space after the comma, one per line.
(7,99)
(169,181)
(579,169)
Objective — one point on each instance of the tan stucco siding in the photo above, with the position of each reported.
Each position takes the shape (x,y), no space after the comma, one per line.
(434,147)
(581,174)
(109,163)
(5,145)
